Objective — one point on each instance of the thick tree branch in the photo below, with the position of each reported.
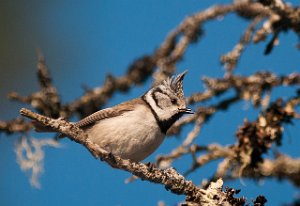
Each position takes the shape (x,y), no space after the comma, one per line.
(169,177)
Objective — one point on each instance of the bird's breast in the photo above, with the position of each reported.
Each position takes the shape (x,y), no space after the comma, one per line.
(133,135)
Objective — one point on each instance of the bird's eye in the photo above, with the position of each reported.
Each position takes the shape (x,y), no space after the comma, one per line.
(174,101)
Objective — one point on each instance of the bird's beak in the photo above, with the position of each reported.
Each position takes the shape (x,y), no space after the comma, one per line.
(186,110)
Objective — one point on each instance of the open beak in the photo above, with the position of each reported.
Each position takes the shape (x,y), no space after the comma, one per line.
(186,110)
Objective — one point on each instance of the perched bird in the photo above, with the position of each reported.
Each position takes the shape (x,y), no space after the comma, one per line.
(134,129)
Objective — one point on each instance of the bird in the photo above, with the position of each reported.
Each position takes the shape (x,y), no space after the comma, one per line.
(134,129)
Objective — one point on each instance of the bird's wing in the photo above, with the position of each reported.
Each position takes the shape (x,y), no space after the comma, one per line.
(102,114)
(107,113)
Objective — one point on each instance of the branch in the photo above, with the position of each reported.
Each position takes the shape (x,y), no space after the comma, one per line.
(169,177)
(47,100)
(230,59)
(90,102)
(283,167)
(14,126)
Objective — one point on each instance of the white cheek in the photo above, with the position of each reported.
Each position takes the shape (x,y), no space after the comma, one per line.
(167,113)
(163,114)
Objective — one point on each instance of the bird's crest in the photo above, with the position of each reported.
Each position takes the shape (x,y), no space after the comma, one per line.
(175,83)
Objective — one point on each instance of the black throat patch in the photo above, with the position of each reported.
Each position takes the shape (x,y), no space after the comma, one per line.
(164,125)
